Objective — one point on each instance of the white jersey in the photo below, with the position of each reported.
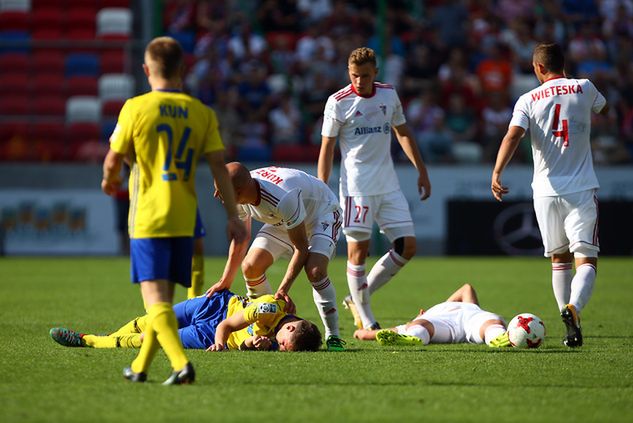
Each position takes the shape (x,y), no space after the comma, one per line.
(288,197)
(363,127)
(558,116)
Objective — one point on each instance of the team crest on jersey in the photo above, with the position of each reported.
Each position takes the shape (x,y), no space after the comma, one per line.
(267,308)
(386,128)
(358,113)
(383,108)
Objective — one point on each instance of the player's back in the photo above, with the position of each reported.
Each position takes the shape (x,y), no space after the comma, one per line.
(167,131)
(559,113)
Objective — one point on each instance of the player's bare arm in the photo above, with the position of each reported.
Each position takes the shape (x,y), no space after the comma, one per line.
(237,252)
(299,238)
(506,151)
(225,329)
(326,158)
(465,294)
(257,342)
(410,148)
(111,172)
(235,227)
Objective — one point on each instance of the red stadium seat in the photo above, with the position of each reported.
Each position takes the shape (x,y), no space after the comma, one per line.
(14,142)
(50,105)
(111,108)
(13,20)
(114,3)
(113,61)
(49,141)
(81,24)
(85,143)
(48,61)
(14,63)
(49,18)
(81,85)
(46,84)
(14,83)
(14,105)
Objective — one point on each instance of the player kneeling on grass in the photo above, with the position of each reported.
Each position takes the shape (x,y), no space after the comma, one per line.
(457,320)
(221,321)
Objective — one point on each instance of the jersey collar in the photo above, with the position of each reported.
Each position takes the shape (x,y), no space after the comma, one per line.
(553,78)
(166,90)
(373,91)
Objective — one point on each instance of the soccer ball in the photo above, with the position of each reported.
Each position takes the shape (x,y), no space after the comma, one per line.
(526,331)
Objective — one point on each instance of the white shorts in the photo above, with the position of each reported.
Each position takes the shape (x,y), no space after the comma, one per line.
(457,322)
(323,232)
(390,212)
(569,222)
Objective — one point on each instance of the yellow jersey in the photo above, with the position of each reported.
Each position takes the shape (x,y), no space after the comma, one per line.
(164,134)
(263,315)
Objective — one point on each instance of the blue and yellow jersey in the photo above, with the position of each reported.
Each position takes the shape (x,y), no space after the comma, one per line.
(263,315)
(164,134)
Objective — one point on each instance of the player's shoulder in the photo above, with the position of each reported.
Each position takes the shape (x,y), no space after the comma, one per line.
(383,86)
(344,92)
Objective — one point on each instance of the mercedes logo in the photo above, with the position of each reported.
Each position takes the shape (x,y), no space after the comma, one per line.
(516,231)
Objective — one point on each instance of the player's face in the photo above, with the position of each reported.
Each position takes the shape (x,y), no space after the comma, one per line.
(285,335)
(362,77)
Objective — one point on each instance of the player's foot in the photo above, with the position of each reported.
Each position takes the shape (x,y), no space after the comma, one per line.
(570,317)
(182,377)
(130,375)
(500,341)
(348,303)
(334,343)
(67,337)
(387,337)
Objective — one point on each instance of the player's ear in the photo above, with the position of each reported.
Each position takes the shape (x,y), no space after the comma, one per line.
(146,69)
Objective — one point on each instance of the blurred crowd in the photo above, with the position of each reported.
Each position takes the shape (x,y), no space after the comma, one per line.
(267,67)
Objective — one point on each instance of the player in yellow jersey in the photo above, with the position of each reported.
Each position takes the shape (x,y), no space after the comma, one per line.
(162,134)
(223,320)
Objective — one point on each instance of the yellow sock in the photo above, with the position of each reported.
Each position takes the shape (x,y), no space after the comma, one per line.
(113,341)
(166,326)
(148,348)
(197,276)
(133,326)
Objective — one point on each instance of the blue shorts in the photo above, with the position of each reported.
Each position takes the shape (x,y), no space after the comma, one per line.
(162,258)
(199,317)
(199,231)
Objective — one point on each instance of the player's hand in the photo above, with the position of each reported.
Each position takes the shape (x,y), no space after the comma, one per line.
(217,287)
(498,190)
(236,230)
(290,305)
(216,347)
(110,187)
(262,343)
(424,187)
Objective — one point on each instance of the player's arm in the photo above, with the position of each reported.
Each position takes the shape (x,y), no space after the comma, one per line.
(369,334)
(410,148)
(225,329)
(326,158)
(465,294)
(506,151)
(112,172)
(257,342)
(299,238)
(235,227)
(237,252)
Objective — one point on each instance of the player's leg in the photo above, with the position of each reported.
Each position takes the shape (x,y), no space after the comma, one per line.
(394,219)
(197,262)
(269,244)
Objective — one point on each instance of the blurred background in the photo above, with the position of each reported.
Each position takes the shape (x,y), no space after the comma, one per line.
(267,68)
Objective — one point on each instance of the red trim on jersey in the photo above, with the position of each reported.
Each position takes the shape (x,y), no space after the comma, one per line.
(343,93)
(373,91)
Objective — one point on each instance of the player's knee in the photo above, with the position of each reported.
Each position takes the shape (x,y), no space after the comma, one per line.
(250,269)
(405,247)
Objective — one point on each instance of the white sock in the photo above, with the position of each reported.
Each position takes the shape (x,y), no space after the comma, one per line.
(385,269)
(582,286)
(256,287)
(324,296)
(420,332)
(357,283)
(561,283)
(492,332)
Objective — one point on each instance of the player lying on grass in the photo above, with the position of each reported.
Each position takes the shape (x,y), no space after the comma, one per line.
(221,321)
(457,320)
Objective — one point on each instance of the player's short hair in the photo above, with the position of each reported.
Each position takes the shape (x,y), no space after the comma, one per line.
(167,56)
(551,56)
(307,337)
(361,56)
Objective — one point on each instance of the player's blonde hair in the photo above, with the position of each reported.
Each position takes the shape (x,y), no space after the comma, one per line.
(361,56)
(165,57)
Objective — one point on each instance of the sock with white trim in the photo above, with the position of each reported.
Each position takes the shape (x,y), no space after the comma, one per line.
(582,286)
(385,268)
(561,283)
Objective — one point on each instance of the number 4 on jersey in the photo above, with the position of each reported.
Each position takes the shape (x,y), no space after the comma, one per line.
(180,163)
(564,132)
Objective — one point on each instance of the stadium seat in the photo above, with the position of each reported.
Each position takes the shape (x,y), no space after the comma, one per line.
(113,61)
(48,139)
(114,23)
(14,83)
(116,86)
(111,108)
(81,23)
(14,42)
(49,61)
(83,109)
(114,3)
(14,105)
(14,63)
(49,105)
(12,128)
(47,83)
(85,143)
(48,17)
(13,20)
(81,85)
(81,64)
(39,4)
(17,5)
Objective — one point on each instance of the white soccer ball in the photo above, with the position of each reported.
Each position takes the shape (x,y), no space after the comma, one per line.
(526,330)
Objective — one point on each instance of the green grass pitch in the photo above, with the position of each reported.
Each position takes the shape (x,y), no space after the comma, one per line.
(45,382)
